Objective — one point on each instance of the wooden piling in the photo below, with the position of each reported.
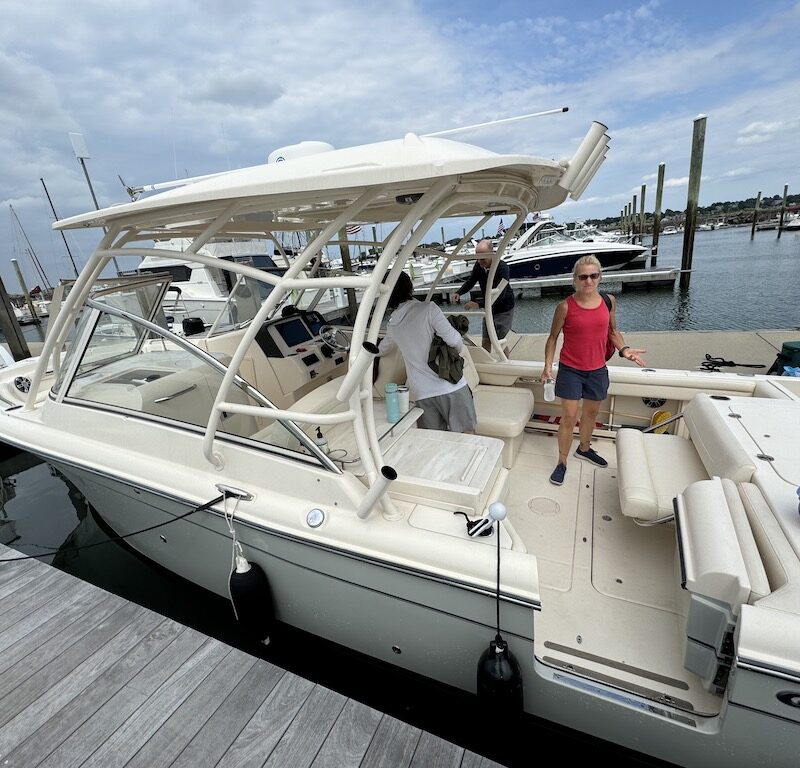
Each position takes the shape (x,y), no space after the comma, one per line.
(783,208)
(344,251)
(657,215)
(641,215)
(695,171)
(10,327)
(28,300)
(755,216)
(633,220)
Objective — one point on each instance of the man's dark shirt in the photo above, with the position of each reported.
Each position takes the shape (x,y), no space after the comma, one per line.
(505,301)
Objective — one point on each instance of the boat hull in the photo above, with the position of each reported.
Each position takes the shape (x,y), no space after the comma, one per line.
(531,263)
(430,626)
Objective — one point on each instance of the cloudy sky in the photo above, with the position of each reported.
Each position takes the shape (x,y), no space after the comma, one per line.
(168,89)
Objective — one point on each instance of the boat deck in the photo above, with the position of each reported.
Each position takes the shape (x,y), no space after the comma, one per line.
(90,679)
(608,586)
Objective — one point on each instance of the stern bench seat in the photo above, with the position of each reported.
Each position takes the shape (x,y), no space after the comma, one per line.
(653,469)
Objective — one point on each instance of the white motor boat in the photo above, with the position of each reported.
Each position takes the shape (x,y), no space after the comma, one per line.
(654,603)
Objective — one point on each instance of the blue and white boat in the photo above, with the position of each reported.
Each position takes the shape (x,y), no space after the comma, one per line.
(546,249)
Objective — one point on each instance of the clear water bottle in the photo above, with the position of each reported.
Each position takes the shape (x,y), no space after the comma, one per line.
(403,399)
(549,390)
(392,403)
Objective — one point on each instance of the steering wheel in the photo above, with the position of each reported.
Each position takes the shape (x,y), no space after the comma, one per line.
(335,338)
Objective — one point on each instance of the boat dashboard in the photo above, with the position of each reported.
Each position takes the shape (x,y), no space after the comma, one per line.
(292,354)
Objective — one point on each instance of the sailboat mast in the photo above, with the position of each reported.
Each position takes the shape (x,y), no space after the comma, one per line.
(34,258)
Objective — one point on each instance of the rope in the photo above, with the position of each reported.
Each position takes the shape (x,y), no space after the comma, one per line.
(201,508)
(715,363)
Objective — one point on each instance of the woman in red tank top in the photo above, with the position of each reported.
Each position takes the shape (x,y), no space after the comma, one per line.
(586,323)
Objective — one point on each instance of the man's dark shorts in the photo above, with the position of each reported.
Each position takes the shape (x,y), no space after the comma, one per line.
(572,384)
(502,324)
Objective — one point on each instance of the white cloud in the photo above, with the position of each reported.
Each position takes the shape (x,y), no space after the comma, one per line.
(184,88)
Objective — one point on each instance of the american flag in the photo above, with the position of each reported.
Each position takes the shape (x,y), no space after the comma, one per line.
(500,228)
(353,229)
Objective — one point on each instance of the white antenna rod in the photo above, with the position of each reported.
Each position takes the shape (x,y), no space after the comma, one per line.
(503,121)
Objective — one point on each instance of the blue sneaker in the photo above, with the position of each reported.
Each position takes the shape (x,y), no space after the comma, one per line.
(557,478)
(591,455)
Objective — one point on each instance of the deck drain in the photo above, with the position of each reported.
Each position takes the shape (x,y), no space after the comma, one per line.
(541,505)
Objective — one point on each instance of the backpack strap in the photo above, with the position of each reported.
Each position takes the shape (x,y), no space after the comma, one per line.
(606,299)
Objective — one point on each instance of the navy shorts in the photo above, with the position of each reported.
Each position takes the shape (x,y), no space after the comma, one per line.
(572,384)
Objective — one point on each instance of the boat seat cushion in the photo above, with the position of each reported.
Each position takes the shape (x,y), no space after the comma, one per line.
(720,455)
(652,470)
(780,561)
(713,564)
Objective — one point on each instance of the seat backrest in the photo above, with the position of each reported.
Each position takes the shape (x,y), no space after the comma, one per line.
(781,563)
(391,367)
(759,583)
(710,552)
(470,372)
(721,455)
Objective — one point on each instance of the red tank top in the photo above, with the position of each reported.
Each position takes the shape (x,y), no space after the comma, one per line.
(585,333)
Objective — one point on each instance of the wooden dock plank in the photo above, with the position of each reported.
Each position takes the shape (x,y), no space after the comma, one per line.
(45,587)
(303,739)
(471,760)
(127,740)
(50,619)
(87,679)
(114,713)
(69,674)
(40,657)
(393,745)
(433,752)
(14,575)
(258,738)
(191,716)
(53,733)
(228,721)
(349,738)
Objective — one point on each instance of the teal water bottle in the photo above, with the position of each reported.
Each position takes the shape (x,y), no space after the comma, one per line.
(392,403)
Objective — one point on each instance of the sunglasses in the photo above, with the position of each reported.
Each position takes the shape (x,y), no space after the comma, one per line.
(590,276)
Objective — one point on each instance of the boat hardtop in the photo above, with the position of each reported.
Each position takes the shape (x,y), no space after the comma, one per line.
(654,602)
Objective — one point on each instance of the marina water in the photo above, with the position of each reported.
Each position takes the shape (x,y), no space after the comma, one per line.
(737,284)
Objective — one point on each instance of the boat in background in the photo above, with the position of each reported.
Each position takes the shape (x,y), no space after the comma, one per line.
(545,248)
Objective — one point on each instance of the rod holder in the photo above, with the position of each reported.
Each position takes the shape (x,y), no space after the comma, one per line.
(593,137)
(598,151)
(352,379)
(579,190)
(376,490)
